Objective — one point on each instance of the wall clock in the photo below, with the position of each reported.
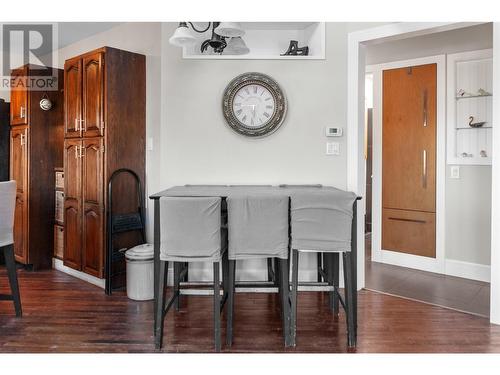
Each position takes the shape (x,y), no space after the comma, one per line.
(254,105)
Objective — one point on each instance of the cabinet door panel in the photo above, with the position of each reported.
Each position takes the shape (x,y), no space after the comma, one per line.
(18,157)
(72,235)
(72,204)
(19,98)
(93,95)
(72,98)
(93,207)
(21,229)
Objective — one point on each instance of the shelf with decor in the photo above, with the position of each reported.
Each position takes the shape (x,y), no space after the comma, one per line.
(470,102)
(254,41)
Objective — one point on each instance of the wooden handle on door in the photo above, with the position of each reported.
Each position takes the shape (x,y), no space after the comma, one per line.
(408,220)
(425,108)
(424,169)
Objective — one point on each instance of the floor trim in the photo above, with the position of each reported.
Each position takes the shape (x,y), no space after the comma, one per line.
(467,270)
(57,264)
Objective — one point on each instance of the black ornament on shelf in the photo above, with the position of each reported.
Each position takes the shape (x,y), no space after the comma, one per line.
(295,50)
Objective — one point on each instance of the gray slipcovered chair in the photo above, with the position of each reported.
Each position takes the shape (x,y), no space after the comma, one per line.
(322,222)
(7,208)
(191,230)
(258,228)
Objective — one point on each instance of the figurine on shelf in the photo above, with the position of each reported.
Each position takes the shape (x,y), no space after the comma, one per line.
(461,92)
(475,124)
(482,92)
(295,50)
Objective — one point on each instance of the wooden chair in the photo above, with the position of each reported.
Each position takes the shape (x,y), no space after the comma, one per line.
(7,207)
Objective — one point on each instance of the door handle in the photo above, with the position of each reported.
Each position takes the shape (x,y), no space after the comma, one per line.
(408,220)
(82,152)
(23,141)
(76,125)
(22,112)
(425,108)
(424,169)
(84,125)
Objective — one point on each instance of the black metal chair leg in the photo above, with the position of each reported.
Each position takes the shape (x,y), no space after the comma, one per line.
(335,276)
(320,266)
(269,269)
(177,282)
(10,262)
(217,307)
(295,284)
(230,302)
(160,304)
(285,299)
(328,266)
(225,275)
(186,275)
(349,300)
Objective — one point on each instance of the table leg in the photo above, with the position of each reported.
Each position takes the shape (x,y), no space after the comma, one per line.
(156,257)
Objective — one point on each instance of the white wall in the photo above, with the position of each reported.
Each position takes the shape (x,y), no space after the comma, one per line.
(198,146)
(468,199)
(144,38)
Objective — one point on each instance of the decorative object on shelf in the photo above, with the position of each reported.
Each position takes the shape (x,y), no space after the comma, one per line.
(45,103)
(295,50)
(217,42)
(483,154)
(482,92)
(466,155)
(254,105)
(461,93)
(475,124)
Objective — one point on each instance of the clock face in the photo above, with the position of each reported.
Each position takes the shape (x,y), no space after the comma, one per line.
(254,105)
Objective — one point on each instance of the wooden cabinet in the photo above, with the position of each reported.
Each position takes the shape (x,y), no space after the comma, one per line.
(32,161)
(19,97)
(104,130)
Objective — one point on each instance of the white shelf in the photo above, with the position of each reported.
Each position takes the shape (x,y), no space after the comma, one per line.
(268,40)
(469,71)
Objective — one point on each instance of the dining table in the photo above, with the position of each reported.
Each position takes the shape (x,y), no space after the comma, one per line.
(223,191)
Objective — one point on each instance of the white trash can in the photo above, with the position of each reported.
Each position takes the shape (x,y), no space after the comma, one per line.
(140,272)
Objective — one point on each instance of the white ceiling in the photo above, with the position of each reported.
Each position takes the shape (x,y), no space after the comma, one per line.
(71,32)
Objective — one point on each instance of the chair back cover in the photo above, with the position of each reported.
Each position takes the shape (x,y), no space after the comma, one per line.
(7,207)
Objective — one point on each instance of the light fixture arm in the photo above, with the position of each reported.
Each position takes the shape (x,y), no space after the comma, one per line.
(199,31)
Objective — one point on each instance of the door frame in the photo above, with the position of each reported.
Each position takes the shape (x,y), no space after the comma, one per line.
(355,130)
(436,264)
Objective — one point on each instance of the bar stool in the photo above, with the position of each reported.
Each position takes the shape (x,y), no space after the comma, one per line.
(324,222)
(7,208)
(191,230)
(259,229)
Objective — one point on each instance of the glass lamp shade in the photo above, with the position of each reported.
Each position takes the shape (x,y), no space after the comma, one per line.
(230,29)
(236,46)
(182,37)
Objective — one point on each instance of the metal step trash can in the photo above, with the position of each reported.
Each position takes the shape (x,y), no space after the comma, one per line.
(140,272)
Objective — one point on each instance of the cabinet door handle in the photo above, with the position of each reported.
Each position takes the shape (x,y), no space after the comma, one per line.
(84,125)
(22,112)
(76,125)
(82,152)
(408,220)
(23,141)
(424,169)
(425,108)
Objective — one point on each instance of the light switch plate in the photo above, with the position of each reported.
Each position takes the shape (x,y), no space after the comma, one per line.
(150,144)
(333,148)
(455,171)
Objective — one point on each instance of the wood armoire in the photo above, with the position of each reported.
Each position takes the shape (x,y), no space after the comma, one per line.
(105,126)
(36,147)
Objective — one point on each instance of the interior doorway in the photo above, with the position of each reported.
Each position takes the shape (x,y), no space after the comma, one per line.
(408,255)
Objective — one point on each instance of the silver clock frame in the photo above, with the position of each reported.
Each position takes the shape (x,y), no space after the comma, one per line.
(278,115)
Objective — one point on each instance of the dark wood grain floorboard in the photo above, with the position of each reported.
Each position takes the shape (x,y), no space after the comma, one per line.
(63,314)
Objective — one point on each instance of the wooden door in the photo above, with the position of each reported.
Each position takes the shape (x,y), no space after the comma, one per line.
(72,204)
(93,207)
(93,95)
(409,160)
(19,173)
(19,97)
(72,98)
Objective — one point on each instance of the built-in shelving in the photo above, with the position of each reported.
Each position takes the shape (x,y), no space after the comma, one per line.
(268,40)
(469,72)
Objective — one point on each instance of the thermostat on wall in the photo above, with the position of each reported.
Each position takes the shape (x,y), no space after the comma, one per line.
(332,131)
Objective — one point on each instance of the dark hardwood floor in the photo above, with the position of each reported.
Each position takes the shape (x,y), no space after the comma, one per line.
(64,314)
